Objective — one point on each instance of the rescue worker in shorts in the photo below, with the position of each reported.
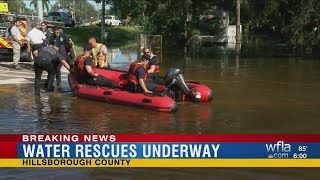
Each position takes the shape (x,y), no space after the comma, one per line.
(137,77)
(85,69)
(48,59)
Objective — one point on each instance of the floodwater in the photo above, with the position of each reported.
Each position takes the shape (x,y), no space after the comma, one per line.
(255,95)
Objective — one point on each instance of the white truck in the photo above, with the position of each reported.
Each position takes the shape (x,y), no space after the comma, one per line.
(112,21)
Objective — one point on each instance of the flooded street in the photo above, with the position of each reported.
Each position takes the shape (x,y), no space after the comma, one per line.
(250,96)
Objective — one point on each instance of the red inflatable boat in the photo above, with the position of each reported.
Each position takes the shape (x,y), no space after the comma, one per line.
(154,101)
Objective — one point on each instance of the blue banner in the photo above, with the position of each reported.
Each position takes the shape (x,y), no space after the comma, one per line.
(278,149)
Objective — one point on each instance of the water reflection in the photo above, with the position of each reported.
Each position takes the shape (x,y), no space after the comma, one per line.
(121,58)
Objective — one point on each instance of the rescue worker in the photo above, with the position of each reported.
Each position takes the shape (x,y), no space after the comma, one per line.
(137,77)
(15,34)
(69,47)
(60,40)
(153,67)
(45,31)
(48,59)
(35,40)
(85,69)
(98,48)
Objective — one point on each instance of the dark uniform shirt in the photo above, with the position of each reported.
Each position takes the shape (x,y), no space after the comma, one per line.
(88,62)
(85,78)
(140,72)
(50,55)
(153,60)
(47,33)
(63,39)
(62,42)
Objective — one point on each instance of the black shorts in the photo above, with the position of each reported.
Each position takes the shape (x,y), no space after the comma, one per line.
(35,47)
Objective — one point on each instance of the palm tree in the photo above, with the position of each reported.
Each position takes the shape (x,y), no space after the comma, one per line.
(238,35)
(45,4)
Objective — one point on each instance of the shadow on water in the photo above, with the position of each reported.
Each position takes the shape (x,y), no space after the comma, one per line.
(258,95)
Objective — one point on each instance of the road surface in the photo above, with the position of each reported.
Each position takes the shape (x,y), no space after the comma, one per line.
(10,75)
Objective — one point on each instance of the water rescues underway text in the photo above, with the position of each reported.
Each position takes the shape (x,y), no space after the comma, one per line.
(118,150)
(159,150)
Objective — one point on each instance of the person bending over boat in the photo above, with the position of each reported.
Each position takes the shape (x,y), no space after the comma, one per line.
(153,67)
(86,74)
(48,59)
(137,76)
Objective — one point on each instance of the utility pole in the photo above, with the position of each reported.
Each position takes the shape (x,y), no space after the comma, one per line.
(103,32)
(40,10)
(238,35)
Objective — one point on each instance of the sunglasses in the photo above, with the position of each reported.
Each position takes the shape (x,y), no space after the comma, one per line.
(147,52)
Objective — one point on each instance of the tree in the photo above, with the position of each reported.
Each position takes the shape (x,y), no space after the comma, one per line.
(294,22)
(16,6)
(45,4)
(81,9)
(238,36)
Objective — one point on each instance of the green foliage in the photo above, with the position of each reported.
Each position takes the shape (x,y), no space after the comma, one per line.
(45,4)
(83,9)
(117,36)
(80,35)
(18,6)
(164,17)
(295,22)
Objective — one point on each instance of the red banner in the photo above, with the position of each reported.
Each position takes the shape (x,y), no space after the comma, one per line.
(160,138)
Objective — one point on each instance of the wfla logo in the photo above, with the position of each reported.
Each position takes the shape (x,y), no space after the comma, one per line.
(278,150)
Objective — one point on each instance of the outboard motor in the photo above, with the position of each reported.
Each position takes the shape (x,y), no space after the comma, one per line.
(176,85)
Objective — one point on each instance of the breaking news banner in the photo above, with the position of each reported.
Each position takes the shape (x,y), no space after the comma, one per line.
(159,150)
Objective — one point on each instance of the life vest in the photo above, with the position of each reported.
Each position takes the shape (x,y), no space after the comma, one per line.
(95,56)
(157,69)
(80,66)
(132,77)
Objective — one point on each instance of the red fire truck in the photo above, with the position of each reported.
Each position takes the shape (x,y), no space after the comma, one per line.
(6,22)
